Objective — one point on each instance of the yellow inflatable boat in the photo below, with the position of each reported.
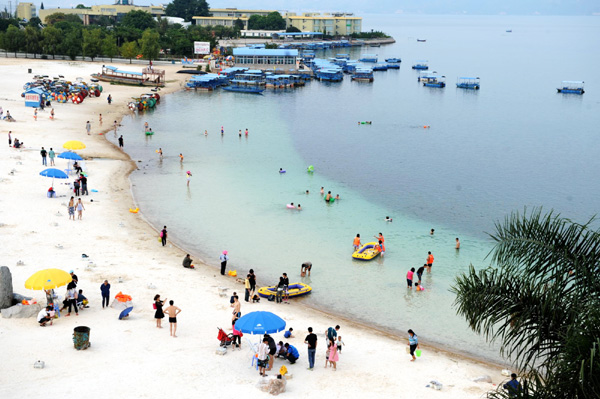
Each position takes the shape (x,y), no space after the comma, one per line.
(367,252)
(294,290)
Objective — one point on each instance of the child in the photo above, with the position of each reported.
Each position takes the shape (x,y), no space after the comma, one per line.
(288,333)
(327,352)
(419,287)
(255,298)
(409,277)
(340,343)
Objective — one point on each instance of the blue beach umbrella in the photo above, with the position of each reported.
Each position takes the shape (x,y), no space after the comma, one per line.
(260,323)
(70,155)
(125,312)
(54,173)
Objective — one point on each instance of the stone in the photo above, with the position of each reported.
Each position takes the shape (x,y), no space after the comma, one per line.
(20,311)
(483,378)
(6,288)
(18,298)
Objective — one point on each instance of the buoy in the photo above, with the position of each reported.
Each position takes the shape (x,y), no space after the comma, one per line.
(136,210)
(426,127)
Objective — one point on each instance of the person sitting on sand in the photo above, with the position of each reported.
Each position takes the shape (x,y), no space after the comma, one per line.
(288,334)
(44,316)
(187,262)
(292,353)
(281,351)
(255,298)
(82,301)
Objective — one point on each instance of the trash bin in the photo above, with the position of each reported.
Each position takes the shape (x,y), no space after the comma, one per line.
(81,337)
(172,61)
(28,70)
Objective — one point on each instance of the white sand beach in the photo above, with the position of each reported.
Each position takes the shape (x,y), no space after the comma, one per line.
(132,358)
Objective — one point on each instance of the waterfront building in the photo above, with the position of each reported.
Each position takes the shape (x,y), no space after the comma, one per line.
(235,13)
(257,58)
(335,24)
(114,11)
(25,11)
(223,21)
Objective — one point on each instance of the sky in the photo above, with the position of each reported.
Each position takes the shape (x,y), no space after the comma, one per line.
(361,7)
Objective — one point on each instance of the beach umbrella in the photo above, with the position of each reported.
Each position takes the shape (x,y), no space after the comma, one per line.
(48,279)
(54,173)
(70,155)
(260,323)
(125,312)
(74,145)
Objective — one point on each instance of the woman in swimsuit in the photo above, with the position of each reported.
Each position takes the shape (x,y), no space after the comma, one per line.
(80,208)
(159,315)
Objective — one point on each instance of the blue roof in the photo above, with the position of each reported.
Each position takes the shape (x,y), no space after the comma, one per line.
(261,51)
(38,90)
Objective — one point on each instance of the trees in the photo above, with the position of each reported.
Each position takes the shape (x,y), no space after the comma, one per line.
(51,38)
(92,43)
(238,24)
(140,20)
(542,303)
(187,9)
(273,21)
(292,29)
(61,17)
(72,43)
(130,50)
(109,46)
(32,41)
(150,44)
(14,38)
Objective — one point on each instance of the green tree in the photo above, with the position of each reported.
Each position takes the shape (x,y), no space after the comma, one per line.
(138,19)
(6,22)
(542,302)
(256,22)
(187,9)
(150,44)
(51,39)
(82,7)
(72,43)
(271,45)
(130,50)
(273,21)
(109,46)
(92,43)
(34,22)
(14,39)
(32,41)
(62,17)
(239,24)
(292,29)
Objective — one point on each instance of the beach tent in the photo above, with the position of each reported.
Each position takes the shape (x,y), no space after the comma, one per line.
(260,323)
(48,279)
(34,97)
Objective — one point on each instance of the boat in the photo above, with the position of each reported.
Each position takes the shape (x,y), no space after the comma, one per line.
(468,83)
(509,31)
(375,45)
(148,77)
(421,65)
(368,58)
(571,87)
(330,75)
(422,40)
(435,81)
(367,251)
(393,66)
(393,60)
(294,290)
(380,67)
(363,75)
(244,89)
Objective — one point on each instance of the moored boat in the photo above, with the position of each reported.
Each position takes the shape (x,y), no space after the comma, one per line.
(468,83)
(393,60)
(367,252)
(363,75)
(435,81)
(571,87)
(244,89)
(421,65)
(294,290)
(368,58)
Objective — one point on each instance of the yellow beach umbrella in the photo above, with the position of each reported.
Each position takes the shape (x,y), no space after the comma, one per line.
(48,279)
(74,145)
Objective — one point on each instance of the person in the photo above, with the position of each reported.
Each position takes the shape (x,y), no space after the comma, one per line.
(388,219)
(252,283)
(83,181)
(145,126)
(43,154)
(240,133)
(222,131)
(237,337)
(105,291)
(121,141)
(223,258)
(255,299)
(356,243)
(247,287)
(50,297)
(232,299)
(51,155)
(51,192)
(159,315)
(327,353)
(288,333)
(100,118)
(513,387)
(337,196)
(76,186)
(44,316)
(311,341)
(80,208)
(299,207)
(74,278)
(71,208)
(237,306)
(413,342)
(419,287)
(457,243)
(187,262)
(246,132)
(82,299)
(163,236)
(381,248)
(322,190)
(307,192)
(88,127)
(52,114)
(305,268)
(281,351)
(431,232)
(286,284)
(115,125)
(279,294)
(9,138)
(172,311)
(109,99)
(71,297)
(409,277)
(272,350)
(180,158)
(160,154)
(292,353)
(35,114)
(333,354)
(420,271)
(332,333)
(380,238)
(206,132)
(429,261)
(339,344)
(262,354)
(189,176)
(328,196)
(77,168)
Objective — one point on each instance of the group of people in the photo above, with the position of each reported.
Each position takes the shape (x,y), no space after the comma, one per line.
(172,311)
(16,144)
(379,246)
(75,206)
(47,154)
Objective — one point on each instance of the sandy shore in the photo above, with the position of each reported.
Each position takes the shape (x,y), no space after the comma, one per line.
(133,358)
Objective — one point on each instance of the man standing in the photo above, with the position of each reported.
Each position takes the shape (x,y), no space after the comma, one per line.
(121,141)
(43,154)
(163,236)
(51,155)
(272,350)
(83,182)
(172,311)
(223,258)
(420,271)
(74,278)
(88,127)
(311,340)
(237,307)
(262,356)
(513,386)
(248,287)
(105,290)
(429,261)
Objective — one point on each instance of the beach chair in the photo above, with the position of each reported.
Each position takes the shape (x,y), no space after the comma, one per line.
(253,349)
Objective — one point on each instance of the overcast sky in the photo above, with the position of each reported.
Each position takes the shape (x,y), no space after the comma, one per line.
(510,7)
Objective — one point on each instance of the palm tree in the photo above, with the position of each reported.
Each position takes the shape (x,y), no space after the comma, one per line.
(541,301)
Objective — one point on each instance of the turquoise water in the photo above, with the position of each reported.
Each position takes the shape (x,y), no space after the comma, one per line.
(486,153)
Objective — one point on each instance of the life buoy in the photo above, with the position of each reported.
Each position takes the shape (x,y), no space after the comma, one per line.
(97,93)
(136,210)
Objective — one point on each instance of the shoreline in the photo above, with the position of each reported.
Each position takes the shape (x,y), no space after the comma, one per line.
(130,251)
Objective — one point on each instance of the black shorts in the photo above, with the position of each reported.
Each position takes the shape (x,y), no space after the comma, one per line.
(273,351)
(412,349)
(263,363)
(172,319)
(429,264)
(409,282)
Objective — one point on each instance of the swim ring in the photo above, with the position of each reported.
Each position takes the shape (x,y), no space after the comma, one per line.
(290,206)
(310,169)
(136,210)
(281,171)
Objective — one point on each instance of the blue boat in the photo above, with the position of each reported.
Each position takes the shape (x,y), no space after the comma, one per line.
(330,75)
(393,66)
(350,67)
(363,75)
(380,67)
(435,81)
(209,81)
(571,87)
(393,60)
(368,58)
(244,89)
(421,65)
(468,83)
(343,56)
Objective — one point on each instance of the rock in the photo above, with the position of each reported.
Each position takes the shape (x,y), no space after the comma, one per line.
(483,378)
(18,298)
(6,288)
(20,311)
(506,372)
(276,386)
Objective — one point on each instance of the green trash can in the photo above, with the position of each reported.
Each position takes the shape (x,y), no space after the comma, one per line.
(81,337)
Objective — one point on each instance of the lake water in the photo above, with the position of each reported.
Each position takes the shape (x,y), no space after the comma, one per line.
(514,143)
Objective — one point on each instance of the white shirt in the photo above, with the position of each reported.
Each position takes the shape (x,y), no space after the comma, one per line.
(72,294)
(263,351)
(43,313)
(224,258)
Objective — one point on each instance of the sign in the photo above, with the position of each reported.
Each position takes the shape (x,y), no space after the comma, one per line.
(32,97)
(201,48)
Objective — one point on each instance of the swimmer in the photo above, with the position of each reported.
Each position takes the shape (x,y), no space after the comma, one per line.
(150,131)
(388,219)
(328,196)
(180,157)
(432,231)
(299,207)
(189,176)
(307,192)
(240,133)
(356,243)
(419,287)
(206,132)
(457,244)
(146,126)
(222,131)
(290,205)
(246,132)
(281,170)
(337,196)
(160,154)
(322,190)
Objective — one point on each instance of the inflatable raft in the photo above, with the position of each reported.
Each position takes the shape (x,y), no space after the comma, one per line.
(294,290)
(367,251)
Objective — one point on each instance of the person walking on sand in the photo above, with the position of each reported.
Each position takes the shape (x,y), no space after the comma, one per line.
(43,153)
(105,290)
(311,341)
(83,181)
(88,127)
(72,208)
(80,208)
(100,119)
(223,258)
(333,354)
(262,355)
(52,114)
(35,114)
(457,244)
(51,155)
(413,342)
(237,307)
(71,298)
(9,138)
(115,125)
(159,315)
(247,287)
(109,99)
(252,280)
(163,236)
(172,311)
(121,141)
(429,261)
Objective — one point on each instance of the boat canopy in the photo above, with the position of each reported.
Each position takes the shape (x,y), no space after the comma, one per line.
(572,82)
(466,78)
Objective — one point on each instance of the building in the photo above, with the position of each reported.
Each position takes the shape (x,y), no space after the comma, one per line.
(223,21)
(335,24)
(260,33)
(235,13)
(26,11)
(265,58)
(114,11)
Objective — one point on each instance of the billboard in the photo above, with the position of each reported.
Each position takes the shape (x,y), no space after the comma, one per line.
(201,48)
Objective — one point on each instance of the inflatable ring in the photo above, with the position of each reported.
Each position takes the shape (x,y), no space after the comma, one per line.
(311,169)
(136,210)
